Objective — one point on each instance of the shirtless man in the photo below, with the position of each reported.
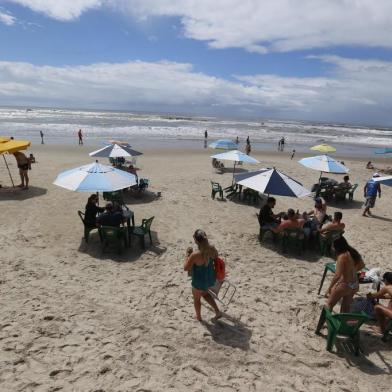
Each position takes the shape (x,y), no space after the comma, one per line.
(336,223)
(291,223)
(383,313)
(345,282)
(24,166)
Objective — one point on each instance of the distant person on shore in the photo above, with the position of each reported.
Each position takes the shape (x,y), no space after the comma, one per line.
(279,144)
(282,141)
(369,165)
(200,263)
(237,140)
(42,137)
(248,149)
(80,136)
(292,154)
(247,140)
(370,192)
(24,166)
(205,134)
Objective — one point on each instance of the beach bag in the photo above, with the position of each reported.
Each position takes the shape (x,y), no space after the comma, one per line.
(220,269)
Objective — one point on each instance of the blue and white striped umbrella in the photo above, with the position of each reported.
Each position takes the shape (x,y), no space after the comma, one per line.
(115,151)
(324,163)
(272,182)
(95,177)
(223,144)
(385,180)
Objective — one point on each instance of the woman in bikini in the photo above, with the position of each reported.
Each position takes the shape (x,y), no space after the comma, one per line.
(201,265)
(345,282)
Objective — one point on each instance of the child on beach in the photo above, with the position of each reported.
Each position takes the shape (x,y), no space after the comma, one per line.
(201,265)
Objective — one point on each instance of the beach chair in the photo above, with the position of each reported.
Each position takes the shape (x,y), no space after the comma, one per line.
(223,291)
(387,332)
(344,324)
(293,239)
(87,228)
(326,240)
(351,192)
(142,230)
(113,235)
(331,267)
(216,188)
(340,194)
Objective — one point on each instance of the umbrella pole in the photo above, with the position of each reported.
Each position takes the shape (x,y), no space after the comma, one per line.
(321,173)
(9,173)
(232,182)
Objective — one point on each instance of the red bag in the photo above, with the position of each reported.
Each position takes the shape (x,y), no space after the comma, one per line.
(220,268)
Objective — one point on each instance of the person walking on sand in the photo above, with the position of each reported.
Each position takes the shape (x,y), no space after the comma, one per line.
(80,135)
(247,140)
(292,154)
(200,263)
(42,137)
(24,166)
(370,192)
(205,134)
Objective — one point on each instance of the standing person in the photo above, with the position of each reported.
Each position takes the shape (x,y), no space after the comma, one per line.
(247,140)
(201,264)
(370,192)
(205,134)
(42,137)
(292,154)
(80,135)
(24,166)
(237,140)
(345,282)
(279,144)
(247,149)
(282,144)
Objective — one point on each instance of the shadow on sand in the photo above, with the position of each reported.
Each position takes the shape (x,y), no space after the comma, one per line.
(9,193)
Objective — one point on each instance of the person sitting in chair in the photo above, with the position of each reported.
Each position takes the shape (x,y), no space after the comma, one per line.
(267,219)
(318,213)
(292,222)
(111,217)
(92,210)
(336,224)
(346,183)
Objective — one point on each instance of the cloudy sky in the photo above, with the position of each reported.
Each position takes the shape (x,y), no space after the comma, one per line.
(325,60)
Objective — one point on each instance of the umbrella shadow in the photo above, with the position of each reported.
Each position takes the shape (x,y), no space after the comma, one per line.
(9,193)
(345,205)
(144,197)
(230,332)
(128,254)
(230,170)
(383,218)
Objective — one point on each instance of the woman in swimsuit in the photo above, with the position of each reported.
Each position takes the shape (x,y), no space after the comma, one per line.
(345,282)
(201,264)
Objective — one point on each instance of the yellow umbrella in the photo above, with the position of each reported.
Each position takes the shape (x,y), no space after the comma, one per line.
(323,148)
(10,146)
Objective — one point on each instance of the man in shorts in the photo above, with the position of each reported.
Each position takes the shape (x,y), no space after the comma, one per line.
(370,192)
(23,166)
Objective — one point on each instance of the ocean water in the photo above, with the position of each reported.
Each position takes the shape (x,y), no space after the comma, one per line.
(61,126)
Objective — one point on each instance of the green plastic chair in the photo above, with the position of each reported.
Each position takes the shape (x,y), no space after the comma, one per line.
(345,324)
(141,231)
(351,192)
(340,193)
(332,268)
(216,188)
(87,228)
(387,331)
(326,240)
(113,235)
(293,239)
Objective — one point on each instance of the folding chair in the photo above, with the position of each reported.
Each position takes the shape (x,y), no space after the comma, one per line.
(223,291)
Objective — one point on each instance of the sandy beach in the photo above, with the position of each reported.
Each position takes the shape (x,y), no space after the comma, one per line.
(74,319)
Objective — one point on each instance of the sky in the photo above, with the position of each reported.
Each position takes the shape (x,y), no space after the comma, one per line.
(312,60)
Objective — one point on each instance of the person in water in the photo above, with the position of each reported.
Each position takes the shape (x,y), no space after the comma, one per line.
(200,263)
(345,282)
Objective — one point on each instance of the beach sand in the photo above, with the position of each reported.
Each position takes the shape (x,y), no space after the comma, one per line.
(74,319)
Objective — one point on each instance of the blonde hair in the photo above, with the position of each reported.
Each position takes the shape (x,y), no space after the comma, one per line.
(207,251)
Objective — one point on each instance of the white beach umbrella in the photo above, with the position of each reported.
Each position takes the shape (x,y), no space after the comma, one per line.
(385,180)
(115,151)
(272,182)
(95,177)
(223,144)
(236,156)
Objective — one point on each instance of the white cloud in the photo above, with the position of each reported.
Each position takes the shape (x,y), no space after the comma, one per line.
(7,18)
(355,90)
(64,10)
(255,25)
